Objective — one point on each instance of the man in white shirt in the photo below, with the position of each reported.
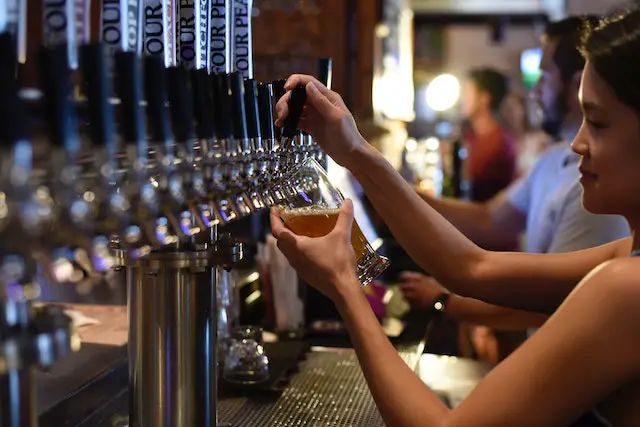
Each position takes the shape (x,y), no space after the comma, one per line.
(546,204)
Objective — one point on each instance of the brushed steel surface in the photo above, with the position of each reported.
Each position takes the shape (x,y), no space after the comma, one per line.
(172,352)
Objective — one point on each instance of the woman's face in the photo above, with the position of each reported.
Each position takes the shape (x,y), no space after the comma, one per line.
(609,143)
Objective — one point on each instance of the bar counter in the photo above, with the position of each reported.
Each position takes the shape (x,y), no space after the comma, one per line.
(324,388)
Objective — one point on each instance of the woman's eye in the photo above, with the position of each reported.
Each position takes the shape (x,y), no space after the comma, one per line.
(595,124)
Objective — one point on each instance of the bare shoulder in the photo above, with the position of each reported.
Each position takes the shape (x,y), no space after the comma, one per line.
(621,271)
(614,286)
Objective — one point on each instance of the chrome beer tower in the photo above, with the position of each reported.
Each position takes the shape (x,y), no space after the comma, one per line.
(171,140)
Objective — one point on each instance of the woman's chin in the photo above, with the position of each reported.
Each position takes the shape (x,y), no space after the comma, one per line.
(592,204)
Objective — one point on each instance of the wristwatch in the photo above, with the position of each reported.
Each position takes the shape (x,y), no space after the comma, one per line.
(439,303)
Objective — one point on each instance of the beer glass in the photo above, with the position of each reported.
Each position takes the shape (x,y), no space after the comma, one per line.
(311,207)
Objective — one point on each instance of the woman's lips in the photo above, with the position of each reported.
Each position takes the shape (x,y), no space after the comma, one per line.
(587,175)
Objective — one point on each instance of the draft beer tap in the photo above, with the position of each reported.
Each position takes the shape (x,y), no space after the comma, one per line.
(101,183)
(134,201)
(205,150)
(290,149)
(185,186)
(270,193)
(68,219)
(8,52)
(257,154)
(240,150)
(223,164)
(164,164)
(16,192)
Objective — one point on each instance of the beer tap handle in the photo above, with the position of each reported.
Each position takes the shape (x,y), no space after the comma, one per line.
(129,88)
(8,54)
(236,94)
(296,105)
(56,84)
(222,111)
(325,71)
(278,91)
(203,104)
(265,108)
(181,103)
(251,106)
(13,114)
(156,90)
(98,89)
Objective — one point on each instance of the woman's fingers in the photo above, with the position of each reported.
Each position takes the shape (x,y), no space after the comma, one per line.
(277,226)
(319,99)
(301,80)
(317,94)
(410,275)
(282,109)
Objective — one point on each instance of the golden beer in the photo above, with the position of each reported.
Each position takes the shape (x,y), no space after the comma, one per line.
(318,222)
(311,208)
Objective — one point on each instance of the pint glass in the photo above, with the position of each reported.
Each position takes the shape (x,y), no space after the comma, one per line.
(311,207)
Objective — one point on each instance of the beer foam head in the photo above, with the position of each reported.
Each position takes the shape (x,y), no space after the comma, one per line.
(309,210)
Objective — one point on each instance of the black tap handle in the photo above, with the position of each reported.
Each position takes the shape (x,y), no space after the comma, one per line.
(265,107)
(296,105)
(203,104)
(236,94)
(98,90)
(181,102)
(55,80)
(222,108)
(251,105)
(155,80)
(129,87)
(278,89)
(325,71)
(8,55)
(277,92)
(13,114)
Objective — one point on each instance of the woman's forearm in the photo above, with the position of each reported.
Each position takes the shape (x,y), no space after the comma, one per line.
(542,281)
(428,238)
(401,397)
(477,312)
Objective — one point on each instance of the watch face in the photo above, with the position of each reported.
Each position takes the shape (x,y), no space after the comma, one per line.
(439,305)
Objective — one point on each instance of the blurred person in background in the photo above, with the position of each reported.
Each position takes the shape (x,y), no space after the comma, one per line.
(491,161)
(530,142)
(546,203)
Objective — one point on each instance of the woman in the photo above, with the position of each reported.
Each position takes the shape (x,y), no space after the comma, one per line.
(587,354)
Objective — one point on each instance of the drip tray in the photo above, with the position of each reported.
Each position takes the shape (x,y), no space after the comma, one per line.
(329,390)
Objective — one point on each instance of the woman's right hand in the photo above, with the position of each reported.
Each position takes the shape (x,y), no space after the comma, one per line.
(326,118)
(419,290)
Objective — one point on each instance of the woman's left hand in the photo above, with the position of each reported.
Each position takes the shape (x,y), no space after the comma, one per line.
(327,263)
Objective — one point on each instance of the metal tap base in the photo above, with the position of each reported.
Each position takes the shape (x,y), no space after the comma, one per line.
(30,338)
(173,336)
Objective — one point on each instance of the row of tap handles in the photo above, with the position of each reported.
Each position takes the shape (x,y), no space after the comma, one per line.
(149,159)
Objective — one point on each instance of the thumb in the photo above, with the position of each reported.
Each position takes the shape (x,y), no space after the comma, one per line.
(318,98)
(345,219)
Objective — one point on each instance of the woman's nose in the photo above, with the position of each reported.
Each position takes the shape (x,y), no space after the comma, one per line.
(580,144)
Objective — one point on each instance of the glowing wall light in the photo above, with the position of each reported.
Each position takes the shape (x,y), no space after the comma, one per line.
(443,92)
